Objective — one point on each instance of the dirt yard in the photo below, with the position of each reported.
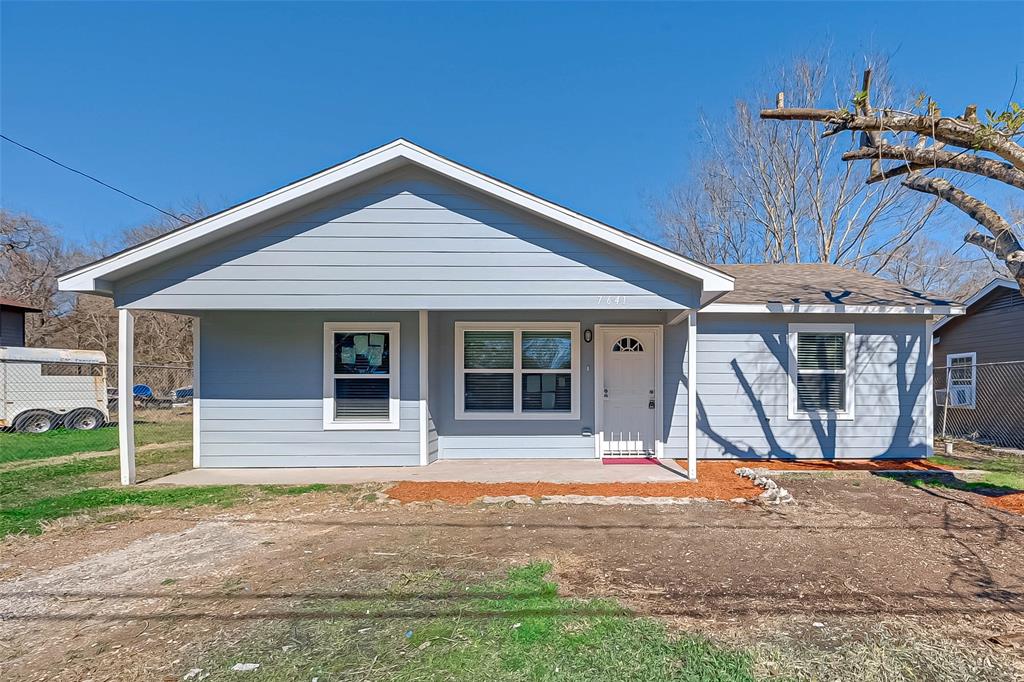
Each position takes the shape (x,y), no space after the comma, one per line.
(862,578)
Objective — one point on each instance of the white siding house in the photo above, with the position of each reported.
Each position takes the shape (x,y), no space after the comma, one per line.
(400,308)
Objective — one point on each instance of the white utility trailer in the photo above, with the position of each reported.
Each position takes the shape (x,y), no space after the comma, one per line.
(44,388)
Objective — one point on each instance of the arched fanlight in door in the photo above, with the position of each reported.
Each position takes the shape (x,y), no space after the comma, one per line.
(627,344)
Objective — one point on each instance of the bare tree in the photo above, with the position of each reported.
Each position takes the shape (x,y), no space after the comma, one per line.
(32,256)
(925,144)
(780,195)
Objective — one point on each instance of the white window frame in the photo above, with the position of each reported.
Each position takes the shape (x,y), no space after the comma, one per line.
(393,375)
(794,371)
(517,329)
(974,380)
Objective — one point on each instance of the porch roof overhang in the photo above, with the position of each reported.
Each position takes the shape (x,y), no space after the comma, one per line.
(100,276)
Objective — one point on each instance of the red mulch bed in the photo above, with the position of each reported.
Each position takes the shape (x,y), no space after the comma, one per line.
(1014,502)
(716,481)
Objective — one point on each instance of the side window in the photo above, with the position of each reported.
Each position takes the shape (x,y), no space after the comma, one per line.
(821,366)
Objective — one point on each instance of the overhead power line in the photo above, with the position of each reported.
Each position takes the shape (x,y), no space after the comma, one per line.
(90,177)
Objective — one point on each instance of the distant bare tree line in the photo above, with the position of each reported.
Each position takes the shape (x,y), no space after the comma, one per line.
(33,255)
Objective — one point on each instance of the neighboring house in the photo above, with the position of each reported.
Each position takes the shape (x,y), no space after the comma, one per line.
(12,321)
(400,308)
(991,331)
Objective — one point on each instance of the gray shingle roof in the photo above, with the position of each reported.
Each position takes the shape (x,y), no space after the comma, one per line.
(818,284)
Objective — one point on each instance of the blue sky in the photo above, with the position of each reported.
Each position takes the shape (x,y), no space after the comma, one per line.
(590,105)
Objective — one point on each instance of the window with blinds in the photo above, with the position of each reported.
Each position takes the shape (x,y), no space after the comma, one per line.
(525,371)
(820,380)
(362,380)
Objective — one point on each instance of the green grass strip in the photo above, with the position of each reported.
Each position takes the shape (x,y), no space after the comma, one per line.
(16,447)
(517,629)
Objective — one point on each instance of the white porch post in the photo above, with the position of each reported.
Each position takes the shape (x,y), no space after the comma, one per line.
(125,397)
(424,386)
(691,395)
(196,424)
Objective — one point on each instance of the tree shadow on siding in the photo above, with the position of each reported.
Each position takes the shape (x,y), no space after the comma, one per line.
(908,388)
(824,430)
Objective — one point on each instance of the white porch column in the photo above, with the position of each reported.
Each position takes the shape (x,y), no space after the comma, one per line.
(424,386)
(196,430)
(125,396)
(691,395)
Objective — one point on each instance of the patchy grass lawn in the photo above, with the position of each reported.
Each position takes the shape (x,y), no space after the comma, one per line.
(16,447)
(1002,483)
(1002,469)
(515,629)
(32,496)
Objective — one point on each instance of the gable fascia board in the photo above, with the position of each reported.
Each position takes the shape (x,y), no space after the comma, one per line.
(833,309)
(90,278)
(978,295)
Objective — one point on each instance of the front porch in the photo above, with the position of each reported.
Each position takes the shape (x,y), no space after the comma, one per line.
(467,470)
(267,407)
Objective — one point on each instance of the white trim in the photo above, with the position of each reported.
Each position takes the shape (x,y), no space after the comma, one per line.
(974,379)
(125,394)
(691,395)
(659,383)
(517,329)
(929,389)
(851,365)
(832,309)
(393,376)
(96,277)
(977,296)
(424,386)
(196,422)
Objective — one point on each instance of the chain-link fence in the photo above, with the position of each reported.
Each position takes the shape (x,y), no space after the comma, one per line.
(980,402)
(40,397)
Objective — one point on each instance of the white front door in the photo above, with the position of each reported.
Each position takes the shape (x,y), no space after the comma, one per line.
(628,392)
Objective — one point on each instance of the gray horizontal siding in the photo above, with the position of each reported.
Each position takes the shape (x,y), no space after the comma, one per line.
(743,390)
(408,242)
(992,328)
(505,447)
(262,386)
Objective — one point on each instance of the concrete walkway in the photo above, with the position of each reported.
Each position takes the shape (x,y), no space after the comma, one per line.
(475,471)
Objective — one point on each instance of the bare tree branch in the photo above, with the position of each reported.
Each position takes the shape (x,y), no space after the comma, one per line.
(937,158)
(1003,242)
(955,131)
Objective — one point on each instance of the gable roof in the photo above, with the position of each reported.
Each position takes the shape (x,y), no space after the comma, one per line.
(997,283)
(97,277)
(821,287)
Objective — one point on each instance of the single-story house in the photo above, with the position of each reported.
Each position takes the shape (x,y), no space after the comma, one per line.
(401,308)
(12,321)
(981,387)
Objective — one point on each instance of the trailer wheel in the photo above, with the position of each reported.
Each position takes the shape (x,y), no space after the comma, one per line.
(35,421)
(84,419)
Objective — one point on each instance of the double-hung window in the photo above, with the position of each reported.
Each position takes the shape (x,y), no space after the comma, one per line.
(962,379)
(821,366)
(517,371)
(361,375)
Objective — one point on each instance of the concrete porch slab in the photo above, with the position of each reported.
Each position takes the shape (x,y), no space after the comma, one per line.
(470,470)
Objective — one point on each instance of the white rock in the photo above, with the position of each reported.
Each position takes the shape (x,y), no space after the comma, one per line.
(245,667)
(502,499)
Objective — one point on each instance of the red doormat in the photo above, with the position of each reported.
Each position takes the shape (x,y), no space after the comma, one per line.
(629,460)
